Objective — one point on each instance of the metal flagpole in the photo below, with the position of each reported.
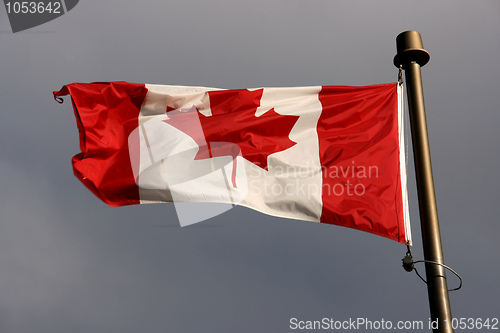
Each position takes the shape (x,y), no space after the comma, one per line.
(411,56)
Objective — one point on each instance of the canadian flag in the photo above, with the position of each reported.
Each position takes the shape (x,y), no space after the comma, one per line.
(330,154)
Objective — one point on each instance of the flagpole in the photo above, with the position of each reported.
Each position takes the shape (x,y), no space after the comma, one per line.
(411,56)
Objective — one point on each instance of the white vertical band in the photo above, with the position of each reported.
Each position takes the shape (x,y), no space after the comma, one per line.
(402,163)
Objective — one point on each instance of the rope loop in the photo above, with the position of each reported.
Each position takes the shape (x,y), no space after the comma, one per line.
(409,265)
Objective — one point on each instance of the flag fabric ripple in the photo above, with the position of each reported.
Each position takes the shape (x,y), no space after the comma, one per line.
(329,154)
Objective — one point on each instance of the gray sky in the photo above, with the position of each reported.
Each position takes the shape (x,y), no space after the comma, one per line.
(69,263)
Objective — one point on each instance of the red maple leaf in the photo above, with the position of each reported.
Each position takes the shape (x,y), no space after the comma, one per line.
(233,124)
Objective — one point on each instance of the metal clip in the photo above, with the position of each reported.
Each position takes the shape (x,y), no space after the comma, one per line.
(400,75)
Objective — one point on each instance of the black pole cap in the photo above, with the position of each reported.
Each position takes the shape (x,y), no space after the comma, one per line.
(410,48)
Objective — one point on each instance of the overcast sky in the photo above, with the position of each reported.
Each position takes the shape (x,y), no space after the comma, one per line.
(69,263)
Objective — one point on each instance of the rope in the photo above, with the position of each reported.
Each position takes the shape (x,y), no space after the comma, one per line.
(409,265)
(443,265)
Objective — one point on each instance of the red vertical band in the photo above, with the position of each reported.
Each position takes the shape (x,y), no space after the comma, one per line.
(106,114)
(359,154)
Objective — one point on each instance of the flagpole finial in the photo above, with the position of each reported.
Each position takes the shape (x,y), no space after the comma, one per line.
(410,48)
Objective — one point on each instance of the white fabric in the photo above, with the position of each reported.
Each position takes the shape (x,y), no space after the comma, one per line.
(169,172)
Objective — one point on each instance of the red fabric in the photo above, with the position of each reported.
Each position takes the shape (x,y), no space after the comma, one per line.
(358,131)
(106,114)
